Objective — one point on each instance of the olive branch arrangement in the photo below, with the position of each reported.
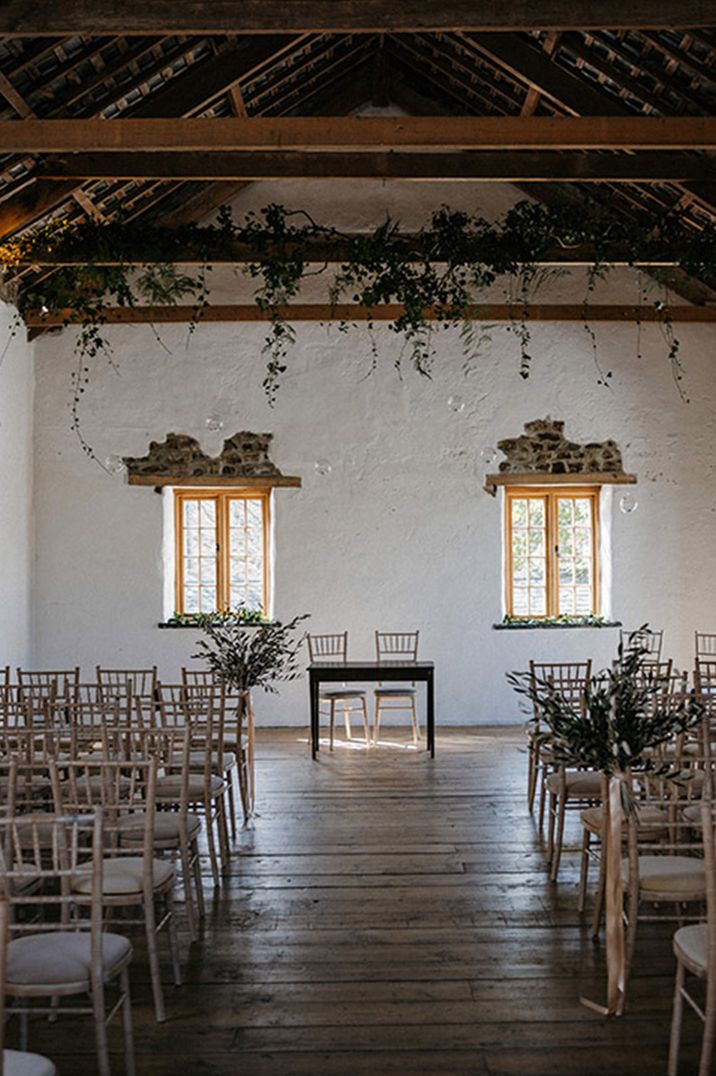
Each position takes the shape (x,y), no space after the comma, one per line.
(245,657)
(623,714)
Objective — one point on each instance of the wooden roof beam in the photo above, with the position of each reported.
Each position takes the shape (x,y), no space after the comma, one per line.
(325,312)
(334,251)
(503,167)
(377,133)
(27,18)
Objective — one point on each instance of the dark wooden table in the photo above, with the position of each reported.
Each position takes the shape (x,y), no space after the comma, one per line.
(331,672)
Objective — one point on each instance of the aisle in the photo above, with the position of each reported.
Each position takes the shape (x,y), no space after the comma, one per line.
(392,915)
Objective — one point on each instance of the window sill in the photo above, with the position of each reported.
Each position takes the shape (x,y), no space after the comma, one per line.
(531,625)
(167,625)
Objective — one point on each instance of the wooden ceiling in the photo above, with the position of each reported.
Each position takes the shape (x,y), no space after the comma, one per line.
(625,104)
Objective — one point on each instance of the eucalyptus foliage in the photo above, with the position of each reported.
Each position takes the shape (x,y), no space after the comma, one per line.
(245,657)
(623,713)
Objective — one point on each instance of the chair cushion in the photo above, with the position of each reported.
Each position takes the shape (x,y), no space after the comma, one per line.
(407,692)
(123,875)
(169,787)
(18,1063)
(692,945)
(61,958)
(692,813)
(648,814)
(343,695)
(670,874)
(197,758)
(96,784)
(166,827)
(579,783)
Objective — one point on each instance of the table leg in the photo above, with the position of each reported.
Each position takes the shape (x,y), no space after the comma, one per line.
(430,685)
(315,730)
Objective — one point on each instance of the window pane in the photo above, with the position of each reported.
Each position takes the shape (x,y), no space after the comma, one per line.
(191,513)
(564,511)
(191,570)
(520,601)
(566,600)
(529,556)
(519,569)
(191,543)
(191,599)
(575,538)
(519,513)
(207,543)
(207,513)
(536,512)
(208,571)
(208,600)
(582,511)
(538,603)
(246,552)
(537,541)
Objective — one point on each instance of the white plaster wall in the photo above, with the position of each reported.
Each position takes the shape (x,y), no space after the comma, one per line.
(16,532)
(400,534)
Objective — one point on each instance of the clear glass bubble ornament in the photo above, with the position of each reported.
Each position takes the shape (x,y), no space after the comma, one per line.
(214,422)
(628,503)
(456,404)
(323,467)
(115,464)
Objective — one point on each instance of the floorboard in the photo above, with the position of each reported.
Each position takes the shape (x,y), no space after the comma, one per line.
(389,914)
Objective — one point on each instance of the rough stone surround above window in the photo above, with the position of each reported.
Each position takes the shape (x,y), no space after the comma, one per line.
(543,453)
(180,460)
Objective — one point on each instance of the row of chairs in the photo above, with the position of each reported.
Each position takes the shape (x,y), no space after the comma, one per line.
(668,867)
(137,693)
(389,646)
(157,767)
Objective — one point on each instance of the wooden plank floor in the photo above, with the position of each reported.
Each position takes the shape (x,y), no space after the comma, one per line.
(386,914)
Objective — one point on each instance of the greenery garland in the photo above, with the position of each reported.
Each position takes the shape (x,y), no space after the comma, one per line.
(446,267)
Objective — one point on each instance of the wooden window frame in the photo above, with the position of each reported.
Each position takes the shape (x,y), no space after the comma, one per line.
(551,495)
(221,497)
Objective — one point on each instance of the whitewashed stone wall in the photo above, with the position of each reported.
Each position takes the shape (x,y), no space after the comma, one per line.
(16,526)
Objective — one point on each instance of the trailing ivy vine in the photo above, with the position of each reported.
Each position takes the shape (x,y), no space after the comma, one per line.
(438,276)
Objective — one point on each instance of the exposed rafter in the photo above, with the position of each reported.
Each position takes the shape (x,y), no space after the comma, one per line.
(184,96)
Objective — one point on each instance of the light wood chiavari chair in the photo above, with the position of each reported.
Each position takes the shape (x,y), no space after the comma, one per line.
(239,737)
(674,756)
(570,679)
(651,642)
(695,952)
(704,646)
(128,682)
(55,953)
(55,684)
(15,1062)
(132,876)
(396,646)
(207,788)
(334,648)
